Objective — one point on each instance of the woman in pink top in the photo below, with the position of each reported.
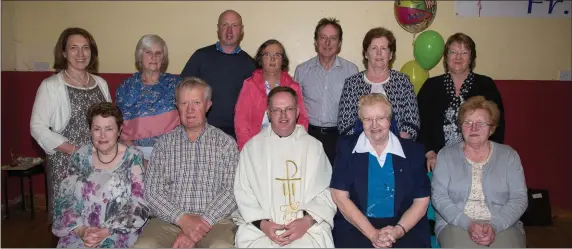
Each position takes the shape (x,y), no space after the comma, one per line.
(272,71)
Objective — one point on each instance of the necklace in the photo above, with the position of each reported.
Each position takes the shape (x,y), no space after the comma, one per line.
(116,153)
(77,81)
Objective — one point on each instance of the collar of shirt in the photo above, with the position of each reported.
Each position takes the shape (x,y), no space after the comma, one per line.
(268,86)
(183,132)
(219,48)
(393,146)
(142,85)
(337,63)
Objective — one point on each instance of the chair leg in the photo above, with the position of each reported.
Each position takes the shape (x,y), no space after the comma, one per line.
(31,197)
(6,194)
(22,193)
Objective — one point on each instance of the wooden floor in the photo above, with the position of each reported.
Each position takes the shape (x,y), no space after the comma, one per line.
(20,231)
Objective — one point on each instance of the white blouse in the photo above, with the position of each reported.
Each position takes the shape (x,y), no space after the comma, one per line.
(52,111)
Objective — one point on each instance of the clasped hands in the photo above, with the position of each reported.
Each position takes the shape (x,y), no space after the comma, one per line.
(482,234)
(92,236)
(386,237)
(293,231)
(193,229)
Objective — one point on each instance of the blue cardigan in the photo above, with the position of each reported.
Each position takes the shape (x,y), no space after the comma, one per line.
(350,174)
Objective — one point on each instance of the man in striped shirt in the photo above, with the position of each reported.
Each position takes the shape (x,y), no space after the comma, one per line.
(322,80)
(189,182)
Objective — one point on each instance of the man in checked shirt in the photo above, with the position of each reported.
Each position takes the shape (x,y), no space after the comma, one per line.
(189,181)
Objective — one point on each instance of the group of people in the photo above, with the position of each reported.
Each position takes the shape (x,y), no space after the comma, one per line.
(235,152)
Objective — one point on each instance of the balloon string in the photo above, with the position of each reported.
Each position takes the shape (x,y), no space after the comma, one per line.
(413,42)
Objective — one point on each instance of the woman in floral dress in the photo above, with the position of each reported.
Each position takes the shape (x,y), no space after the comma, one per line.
(58,122)
(100,203)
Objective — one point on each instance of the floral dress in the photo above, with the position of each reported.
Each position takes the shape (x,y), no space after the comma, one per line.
(111,198)
(77,132)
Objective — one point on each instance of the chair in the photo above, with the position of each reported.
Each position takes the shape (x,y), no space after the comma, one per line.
(21,171)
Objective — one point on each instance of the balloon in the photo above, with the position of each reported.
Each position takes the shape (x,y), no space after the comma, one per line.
(415,15)
(416,74)
(428,49)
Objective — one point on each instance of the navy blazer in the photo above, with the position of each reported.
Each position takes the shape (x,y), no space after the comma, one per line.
(350,173)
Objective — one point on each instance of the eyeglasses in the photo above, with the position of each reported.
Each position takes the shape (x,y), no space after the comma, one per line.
(369,121)
(278,112)
(461,53)
(330,38)
(478,124)
(269,55)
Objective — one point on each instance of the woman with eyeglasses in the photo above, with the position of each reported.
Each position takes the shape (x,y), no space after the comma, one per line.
(440,97)
(271,71)
(478,188)
(379,184)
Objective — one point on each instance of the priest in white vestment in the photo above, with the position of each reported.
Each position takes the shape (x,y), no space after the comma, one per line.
(282,183)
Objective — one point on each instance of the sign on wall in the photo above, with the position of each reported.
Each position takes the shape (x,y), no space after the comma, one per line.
(528,8)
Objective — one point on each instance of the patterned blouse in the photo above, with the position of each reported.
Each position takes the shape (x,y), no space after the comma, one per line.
(111,198)
(149,110)
(399,91)
(476,207)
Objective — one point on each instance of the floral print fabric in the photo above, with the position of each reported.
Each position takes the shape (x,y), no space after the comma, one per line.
(111,198)
(136,99)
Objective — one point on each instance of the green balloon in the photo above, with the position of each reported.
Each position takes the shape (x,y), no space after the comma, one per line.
(428,49)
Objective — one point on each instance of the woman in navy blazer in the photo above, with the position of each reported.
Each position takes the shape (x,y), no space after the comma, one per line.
(379,184)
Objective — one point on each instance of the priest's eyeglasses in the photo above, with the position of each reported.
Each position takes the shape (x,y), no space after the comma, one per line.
(477,124)
(278,111)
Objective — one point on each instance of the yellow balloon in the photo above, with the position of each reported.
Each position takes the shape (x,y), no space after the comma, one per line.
(416,74)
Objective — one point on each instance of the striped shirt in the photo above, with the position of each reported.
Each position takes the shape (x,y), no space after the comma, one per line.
(192,177)
(322,89)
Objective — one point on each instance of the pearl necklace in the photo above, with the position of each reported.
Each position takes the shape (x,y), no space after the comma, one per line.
(77,81)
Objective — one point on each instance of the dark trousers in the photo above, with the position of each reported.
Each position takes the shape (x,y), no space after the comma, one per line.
(329,138)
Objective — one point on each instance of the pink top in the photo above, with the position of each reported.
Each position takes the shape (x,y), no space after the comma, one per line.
(251,106)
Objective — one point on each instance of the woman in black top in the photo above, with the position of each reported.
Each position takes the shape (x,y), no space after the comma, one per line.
(440,97)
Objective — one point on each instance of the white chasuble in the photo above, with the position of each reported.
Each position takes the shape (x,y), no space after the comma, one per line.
(278,179)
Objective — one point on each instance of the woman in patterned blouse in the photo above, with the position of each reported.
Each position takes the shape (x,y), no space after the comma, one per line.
(440,97)
(100,203)
(478,189)
(379,47)
(147,99)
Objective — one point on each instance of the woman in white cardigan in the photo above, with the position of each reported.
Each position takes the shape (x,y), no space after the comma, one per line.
(58,122)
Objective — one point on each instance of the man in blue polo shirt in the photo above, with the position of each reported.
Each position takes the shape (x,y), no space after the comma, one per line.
(224,66)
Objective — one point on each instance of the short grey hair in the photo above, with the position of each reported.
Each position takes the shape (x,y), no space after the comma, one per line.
(192,83)
(145,43)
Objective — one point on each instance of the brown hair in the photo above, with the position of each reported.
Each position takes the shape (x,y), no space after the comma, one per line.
(329,21)
(61,63)
(378,33)
(281,89)
(466,41)
(105,109)
(260,53)
(372,99)
(479,102)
